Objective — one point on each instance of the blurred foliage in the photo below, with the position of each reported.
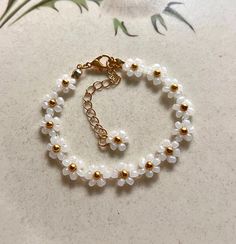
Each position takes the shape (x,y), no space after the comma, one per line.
(157,19)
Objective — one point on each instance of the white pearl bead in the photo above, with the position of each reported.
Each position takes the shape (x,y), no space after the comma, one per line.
(130,181)
(122,147)
(120,182)
(149,174)
(122,142)
(101,182)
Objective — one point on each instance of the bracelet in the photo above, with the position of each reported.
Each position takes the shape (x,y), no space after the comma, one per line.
(124,173)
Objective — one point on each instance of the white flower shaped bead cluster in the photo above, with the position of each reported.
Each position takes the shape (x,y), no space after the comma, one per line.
(73,167)
(183,131)
(57,148)
(122,173)
(118,140)
(97,175)
(50,125)
(133,67)
(149,165)
(169,151)
(156,74)
(65,84)
(183,108)
(173,88)
(53,103)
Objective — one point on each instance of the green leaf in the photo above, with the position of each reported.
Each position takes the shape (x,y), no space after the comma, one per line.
(170,11)
(98,2)
(173,3)
(120,24)
(81,3)
(51,4)
(8,8)
(154,19)
(14,12)
(43,3)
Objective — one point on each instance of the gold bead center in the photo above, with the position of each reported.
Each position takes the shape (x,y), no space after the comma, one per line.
(49,124)
(52,103)
(157,73)
(76,74)
(56,148)
(117,140)
(174,87)
(134,67)
(149,165)
(65,83)
(124,174)
(169,151)
(183,107)
(72,167)
(97,175)
(183,131)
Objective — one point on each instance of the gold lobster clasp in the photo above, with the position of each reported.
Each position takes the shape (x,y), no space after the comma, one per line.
(105,62)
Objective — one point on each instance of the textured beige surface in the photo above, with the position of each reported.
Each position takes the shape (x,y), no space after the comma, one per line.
(192,203)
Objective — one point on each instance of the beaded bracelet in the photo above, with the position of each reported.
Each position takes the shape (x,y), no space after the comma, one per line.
(123,173)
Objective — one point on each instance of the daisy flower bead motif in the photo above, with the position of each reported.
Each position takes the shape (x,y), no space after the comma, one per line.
(73,167)
(173,88)
(124,173)
(183,131)
(118,140)
(169,151)
(121,173)
(97,175)
(53,103)
(50,125)
(156,74)
(57,148)
(65,84)
(183,108)
(149,165)
(133,67)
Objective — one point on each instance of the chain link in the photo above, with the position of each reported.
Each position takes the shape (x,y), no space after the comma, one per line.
(113,80)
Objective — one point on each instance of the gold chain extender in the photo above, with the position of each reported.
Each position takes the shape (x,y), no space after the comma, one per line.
(109,66)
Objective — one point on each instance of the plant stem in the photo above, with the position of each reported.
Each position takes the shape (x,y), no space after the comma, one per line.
(14,12)
(9,6)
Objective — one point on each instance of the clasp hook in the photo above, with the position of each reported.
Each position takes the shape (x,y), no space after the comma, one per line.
(97,62)
(105,62)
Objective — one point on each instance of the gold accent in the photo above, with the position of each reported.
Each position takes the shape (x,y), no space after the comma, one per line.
(109,66)
(103,63)
(76,74)
(174,87)
(117,140)
(72,167)
(65,83)
(149,165)
(56,148)
(49,124)
(183,107)
(97,175)
(169,151)
(134,67)
(52,103)
(157,73)
(124,174)
(183,131)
